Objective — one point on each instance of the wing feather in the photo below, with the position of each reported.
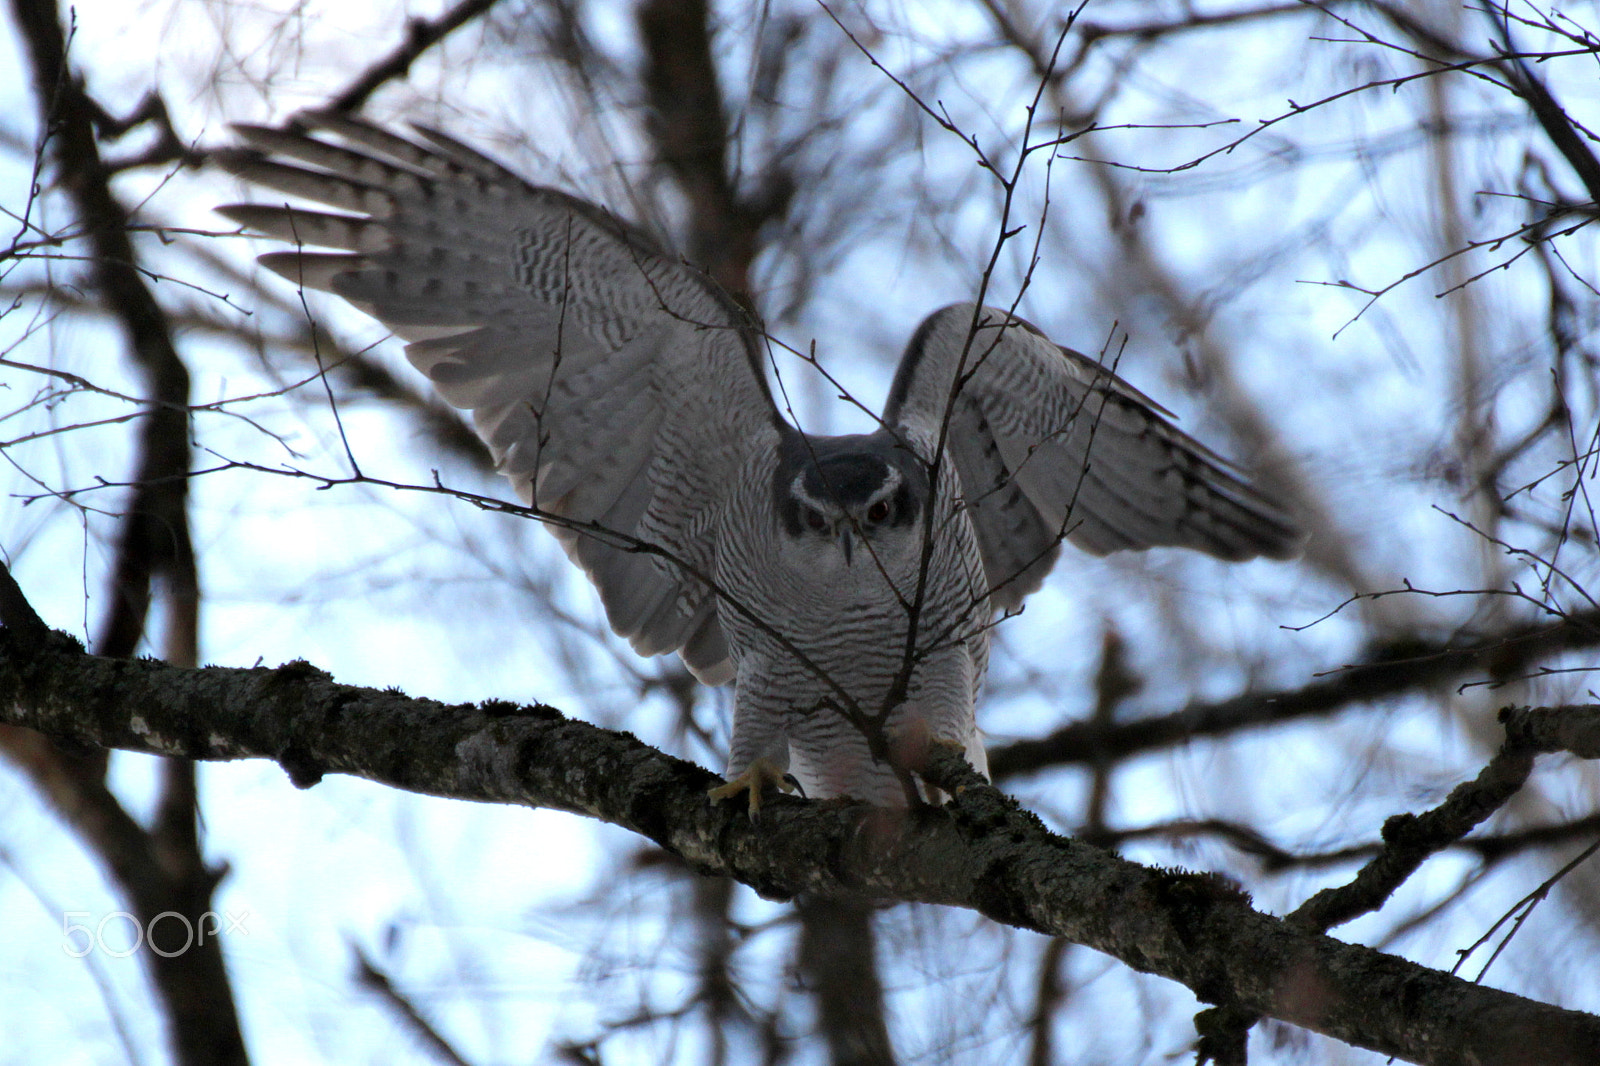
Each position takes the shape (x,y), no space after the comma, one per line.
(1049,443)
(617,388)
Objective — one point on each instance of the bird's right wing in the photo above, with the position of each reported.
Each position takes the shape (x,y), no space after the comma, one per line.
(1050,444)
(619,390)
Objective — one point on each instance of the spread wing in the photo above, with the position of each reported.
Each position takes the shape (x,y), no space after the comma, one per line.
(1049,443)
(618,389)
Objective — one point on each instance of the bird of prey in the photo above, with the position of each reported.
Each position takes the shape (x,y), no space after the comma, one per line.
(846,585)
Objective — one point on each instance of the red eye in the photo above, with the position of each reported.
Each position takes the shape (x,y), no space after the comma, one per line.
(815,521)
(878,511)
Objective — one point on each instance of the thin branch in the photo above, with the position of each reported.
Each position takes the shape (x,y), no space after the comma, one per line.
(421,35)
(1274,857)
(1410,839)
(370,977)
(1399,668)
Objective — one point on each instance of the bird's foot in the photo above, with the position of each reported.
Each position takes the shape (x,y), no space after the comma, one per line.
(959,749)
(755,780)
(911,745)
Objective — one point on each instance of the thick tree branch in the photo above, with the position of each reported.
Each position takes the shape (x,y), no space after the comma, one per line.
(980,853)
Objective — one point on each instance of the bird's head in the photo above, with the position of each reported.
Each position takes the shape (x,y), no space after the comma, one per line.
(849,492)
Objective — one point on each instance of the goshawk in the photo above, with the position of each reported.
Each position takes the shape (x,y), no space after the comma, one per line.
(846,585)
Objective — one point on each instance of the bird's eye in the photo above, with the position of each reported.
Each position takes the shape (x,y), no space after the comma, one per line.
(878,511)
(815,521)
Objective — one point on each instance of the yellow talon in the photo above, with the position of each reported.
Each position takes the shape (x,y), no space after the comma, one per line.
(755,779)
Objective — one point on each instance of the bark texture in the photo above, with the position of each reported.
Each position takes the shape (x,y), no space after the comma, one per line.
(981,852)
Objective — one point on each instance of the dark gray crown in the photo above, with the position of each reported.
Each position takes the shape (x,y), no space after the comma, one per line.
(847,472)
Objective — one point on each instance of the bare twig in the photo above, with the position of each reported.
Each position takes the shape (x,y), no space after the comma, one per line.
(421,35)
(369,976)
(1400,668)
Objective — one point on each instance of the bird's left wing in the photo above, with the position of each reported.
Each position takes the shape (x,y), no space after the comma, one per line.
(1050,444)
(619,390)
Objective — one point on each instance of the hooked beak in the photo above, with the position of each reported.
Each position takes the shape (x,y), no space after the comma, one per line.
(846,543)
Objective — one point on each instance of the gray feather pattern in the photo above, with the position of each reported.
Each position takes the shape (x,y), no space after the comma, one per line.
(1094,458)
(623,395)
(595,368)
